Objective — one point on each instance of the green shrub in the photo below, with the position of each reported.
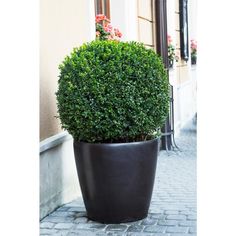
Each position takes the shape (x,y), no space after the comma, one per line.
(112,91)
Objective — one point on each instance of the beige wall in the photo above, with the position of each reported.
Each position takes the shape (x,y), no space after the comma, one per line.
(145,22)
(64,24)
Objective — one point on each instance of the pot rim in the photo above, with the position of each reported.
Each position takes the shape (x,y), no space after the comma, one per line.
(119,144)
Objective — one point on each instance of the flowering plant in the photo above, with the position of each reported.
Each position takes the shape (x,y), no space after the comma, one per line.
(193,51)
(172,55)
(104,30)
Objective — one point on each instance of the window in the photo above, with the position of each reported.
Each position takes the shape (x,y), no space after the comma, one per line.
(102,7)
(183,14)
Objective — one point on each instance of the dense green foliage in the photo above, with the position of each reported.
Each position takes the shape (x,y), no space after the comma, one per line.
(112,91)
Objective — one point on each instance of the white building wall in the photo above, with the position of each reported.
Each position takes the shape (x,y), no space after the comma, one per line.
(183,76)
(193,19)
(124,17)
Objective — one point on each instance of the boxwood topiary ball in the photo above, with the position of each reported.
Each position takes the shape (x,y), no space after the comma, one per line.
(111,91)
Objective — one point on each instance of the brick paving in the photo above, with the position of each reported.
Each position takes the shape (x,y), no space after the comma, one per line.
(173,206)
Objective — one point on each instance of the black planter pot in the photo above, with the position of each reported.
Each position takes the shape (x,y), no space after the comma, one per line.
(116,179)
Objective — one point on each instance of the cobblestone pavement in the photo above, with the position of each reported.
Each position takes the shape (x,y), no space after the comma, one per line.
(173,205)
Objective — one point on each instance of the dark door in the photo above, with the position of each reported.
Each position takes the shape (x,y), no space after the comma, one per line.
(162,49)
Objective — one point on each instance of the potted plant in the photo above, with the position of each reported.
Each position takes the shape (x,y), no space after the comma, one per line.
(193,52)
(113,98)
(172,55)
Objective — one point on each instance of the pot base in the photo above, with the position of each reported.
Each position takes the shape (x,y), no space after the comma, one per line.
(118,221)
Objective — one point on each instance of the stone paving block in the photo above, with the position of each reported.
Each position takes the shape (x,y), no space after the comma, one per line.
(157,216)
(168,222)
(155,229)
(192,209)
(176,217)
(60,233)
(62,213)
(47,225)
(101,234)
(116,227)
(81,233)
(187,223)
(160,234)
(148,221)
(147,234)
(193,230)
(138,222)
(141,234)
(47,231)
(173,212)
(192,217)
(116,234)
(64,226)
(135,228)
(98,226)
(77,214)
(87,226)
(188,212)
(179,234)
(155,210)
(55,219)
(177,229)
(78,220)
(174,208)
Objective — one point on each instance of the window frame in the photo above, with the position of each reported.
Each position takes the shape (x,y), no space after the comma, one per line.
(102,7)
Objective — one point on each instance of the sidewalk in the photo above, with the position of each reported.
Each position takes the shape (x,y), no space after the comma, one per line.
(173,206)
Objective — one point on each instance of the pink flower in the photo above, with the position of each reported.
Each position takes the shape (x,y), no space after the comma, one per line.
(117,33)
(169,39)
(102,24)
(108,28)
(193,44)
(100,17)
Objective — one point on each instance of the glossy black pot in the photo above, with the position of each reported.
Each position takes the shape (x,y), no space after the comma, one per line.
(116,180)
